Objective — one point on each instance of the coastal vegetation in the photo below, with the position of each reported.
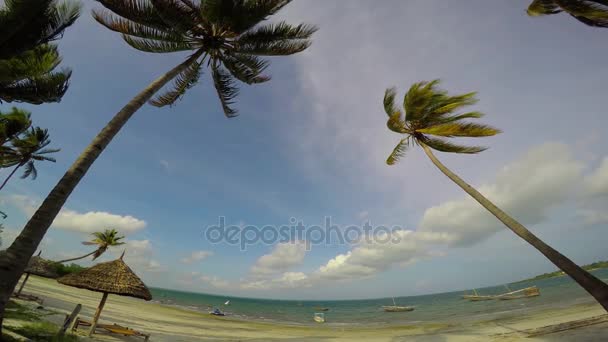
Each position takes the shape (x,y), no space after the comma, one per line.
(430,116)
(589,267)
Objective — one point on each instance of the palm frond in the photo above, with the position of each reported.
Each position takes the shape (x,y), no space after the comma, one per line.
(251,13)
(247,69)
(184,81)
(446,146)
(177,15)
(156,46)
(226,90)
(398,152)
(389,102)
(460,129)
(276,48)
(47,88)
(277,32)
(138,11)
(30,64)
(131,28)
(417,98)
(458,117)
(30,171)
(542,7)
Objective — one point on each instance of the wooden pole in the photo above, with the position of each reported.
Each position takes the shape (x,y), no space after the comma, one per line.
(27,275)
(97,313)
(69,319)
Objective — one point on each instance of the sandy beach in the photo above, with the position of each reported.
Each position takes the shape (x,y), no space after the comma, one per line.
(166,323)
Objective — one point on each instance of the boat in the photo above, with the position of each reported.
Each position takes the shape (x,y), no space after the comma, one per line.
(476,297)
(227,302)
(532,291)
(396,308)
(217,312)
(318,308)
(319,317)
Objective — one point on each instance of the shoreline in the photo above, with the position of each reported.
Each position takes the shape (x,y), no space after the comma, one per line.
(170,323)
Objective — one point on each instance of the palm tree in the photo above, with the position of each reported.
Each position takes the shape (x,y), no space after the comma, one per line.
(27,60)
(228,36)
(590,12)
(28,150)
(430,116)
(12,124)
(103,240)
(27,24)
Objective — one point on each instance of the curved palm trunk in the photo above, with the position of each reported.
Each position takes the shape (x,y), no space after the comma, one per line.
(77,258)
(14,261)
(10,175)
(597,288)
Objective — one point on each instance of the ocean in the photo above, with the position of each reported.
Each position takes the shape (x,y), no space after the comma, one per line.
(446,307)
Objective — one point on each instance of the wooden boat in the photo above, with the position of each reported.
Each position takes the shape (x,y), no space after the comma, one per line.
(318,308)
(396,308)
(319,317)
(476,297)
(532,291)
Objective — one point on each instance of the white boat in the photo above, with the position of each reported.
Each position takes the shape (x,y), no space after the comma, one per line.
(319,317)
(227,302)
(396,308)
(532,291)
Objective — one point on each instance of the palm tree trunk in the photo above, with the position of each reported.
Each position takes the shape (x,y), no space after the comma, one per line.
(77,258)
(10,175)
(14,261)
(597,288)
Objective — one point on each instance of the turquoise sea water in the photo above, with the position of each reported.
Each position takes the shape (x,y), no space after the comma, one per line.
(442,307)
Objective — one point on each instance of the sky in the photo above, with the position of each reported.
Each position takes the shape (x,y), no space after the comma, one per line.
(311,144)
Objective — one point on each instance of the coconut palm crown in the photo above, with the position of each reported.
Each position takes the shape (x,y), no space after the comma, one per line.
(103,240)
(226,36)
(590,12)
(430,117)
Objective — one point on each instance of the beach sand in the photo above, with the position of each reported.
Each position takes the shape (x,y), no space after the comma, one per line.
(166,323)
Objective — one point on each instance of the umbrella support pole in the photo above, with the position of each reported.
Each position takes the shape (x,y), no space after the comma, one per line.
(27,275)
(97,313)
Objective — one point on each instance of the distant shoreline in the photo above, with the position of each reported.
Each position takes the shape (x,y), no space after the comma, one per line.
(590,267)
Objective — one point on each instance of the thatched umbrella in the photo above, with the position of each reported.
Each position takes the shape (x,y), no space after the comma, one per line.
(108,277)
(40,267)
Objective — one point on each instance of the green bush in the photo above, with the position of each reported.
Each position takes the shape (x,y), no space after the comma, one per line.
(67,269)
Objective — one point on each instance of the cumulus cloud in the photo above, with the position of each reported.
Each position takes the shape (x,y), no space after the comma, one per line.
(87,222)
(526,189)
(283,257)
(139,255)
(196,256)
(597,182)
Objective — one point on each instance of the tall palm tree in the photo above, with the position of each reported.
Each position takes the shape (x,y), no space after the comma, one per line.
(28,150)
(590,12)
(230,37)
(103,240)
(430,116)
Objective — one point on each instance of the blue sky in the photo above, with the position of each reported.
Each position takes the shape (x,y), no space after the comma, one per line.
(312,143)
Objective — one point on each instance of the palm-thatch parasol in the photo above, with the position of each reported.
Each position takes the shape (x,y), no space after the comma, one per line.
(108,277)
(40,267)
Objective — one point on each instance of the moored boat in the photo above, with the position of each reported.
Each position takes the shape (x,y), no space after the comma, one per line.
(319,317)
(397,308)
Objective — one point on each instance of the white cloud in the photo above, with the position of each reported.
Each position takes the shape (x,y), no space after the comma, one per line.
(283,257)
(526,189)
(196,256)
(215,281)
(597,182)
(87,222)
(139,256)
(165,165)
(285,280)
(592,217)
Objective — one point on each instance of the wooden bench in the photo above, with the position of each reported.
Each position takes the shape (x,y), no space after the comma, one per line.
(112,328)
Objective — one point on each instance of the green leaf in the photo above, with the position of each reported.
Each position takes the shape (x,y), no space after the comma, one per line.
(446,146)
(456,129)
(226,90)
(389,102)
(156,46)
(249,72)
(184,81)
(398,152)
(132,28)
